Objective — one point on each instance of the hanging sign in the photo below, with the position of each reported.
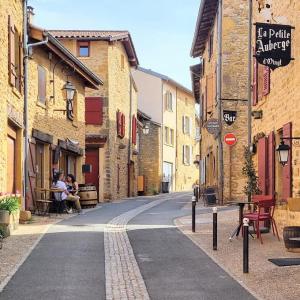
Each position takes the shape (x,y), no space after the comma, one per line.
(229,116)
(213,126)
(273,45)
(230,139)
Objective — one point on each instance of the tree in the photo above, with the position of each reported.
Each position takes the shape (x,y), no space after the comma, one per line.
(251,187)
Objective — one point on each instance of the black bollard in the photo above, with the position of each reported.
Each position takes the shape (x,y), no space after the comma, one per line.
(193,213)
(246,245)
(215,229)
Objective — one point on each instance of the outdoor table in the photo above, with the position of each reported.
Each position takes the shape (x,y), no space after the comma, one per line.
(241,204)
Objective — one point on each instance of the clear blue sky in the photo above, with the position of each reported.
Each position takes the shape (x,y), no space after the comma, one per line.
(162,30)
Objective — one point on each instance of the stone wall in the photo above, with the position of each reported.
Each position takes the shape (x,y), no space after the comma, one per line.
(105,61)
(150,158)
(234,94)
(11,104)
(50,117)
(281,105)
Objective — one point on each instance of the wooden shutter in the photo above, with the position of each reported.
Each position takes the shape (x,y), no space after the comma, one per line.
(271,164)
(20,73)
(42,84)
(287,169)
(30,196)
(183,124)
(122,125)
(11,52)
(119,123)
(134,129)
(183,154)
(266,81)
(210,92)
(255,83)
(94,110)
(262,164)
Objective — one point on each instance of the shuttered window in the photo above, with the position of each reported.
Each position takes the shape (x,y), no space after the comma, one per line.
(94,110)
(120,124)
(255,82)
(15,55)
(42,82)
(262,164)
(210,92)
(186,154)
(261,81)
(271,164)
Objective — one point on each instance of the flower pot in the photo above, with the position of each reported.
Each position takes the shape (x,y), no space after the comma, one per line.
(4,217)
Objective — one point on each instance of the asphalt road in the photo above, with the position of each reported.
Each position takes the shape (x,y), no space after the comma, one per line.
(69,262)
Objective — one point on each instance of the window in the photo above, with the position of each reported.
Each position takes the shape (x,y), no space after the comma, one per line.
(167,135)
(83,49)
(186,125)
(94,110)
(168,101)
(120,124)
(172,137)
(187,154)
(198,134)
(15,56)
(122,62)
(42,82)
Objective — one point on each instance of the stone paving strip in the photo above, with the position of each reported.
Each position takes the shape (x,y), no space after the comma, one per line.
(123,277)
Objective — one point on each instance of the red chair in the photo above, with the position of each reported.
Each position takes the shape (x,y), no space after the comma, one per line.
(264,212)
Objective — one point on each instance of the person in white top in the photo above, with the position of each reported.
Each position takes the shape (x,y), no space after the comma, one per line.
(60,184)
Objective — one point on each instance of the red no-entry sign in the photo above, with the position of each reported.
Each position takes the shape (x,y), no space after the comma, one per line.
(230,139)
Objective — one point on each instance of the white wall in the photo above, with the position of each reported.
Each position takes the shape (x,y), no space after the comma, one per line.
(149,94)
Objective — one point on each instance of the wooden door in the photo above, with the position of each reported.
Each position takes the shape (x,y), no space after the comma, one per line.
(39,165)
(30,195)
(92,158)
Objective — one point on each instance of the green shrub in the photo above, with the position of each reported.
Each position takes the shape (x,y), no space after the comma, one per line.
(9,203)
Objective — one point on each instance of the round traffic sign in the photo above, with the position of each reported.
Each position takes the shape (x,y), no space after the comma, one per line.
(230,139)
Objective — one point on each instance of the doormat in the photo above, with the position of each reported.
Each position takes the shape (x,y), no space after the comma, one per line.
(283,262)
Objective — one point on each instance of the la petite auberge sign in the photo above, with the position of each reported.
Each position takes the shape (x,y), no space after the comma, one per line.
(273,45)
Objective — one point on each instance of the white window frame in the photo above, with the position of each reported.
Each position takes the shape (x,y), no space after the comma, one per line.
(169,101)
(187,154)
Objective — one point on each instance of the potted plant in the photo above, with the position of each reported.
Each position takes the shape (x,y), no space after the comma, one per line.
(9,209)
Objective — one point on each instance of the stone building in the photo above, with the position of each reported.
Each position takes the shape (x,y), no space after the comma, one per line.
(221,91)
(171,108)
(12,100)
(111,124)
(56,124)
(276,113)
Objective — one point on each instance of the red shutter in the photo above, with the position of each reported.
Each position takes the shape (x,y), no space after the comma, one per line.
(266,81)
(123,125)
(271,164)
(94,110)
(134,129)
(119,123)
(287,169)
(11,52)
(262,165)
(254,84)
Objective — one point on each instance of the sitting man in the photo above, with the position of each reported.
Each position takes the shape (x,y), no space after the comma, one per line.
(58,183)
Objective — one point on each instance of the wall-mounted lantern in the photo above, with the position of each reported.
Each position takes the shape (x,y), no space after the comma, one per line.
(283,153)
(70,92)
(146,128)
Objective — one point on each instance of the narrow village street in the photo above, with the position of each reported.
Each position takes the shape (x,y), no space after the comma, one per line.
(125,250)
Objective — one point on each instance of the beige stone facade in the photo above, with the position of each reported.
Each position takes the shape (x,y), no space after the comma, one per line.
(186,172)
(11,104)
(233,93)
(166,103)
(280,110)
(112,61)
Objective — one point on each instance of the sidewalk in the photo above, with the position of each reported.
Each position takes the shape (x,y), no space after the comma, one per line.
(21,242)
(265,280)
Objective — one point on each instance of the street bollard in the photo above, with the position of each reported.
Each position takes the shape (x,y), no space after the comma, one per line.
(215,228)
(246,245)
(193,213)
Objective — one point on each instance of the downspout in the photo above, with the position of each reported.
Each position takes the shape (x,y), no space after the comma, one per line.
(162,134)
(219,102)
(249,79)
(176,145)
(26,49)
(129,138)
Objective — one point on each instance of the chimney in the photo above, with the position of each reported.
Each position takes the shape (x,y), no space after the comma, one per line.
(30,14)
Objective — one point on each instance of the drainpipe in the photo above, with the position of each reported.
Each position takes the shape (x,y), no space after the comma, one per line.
(249,79)
(162,134)
(26,49)
(129,139)
(219,102)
